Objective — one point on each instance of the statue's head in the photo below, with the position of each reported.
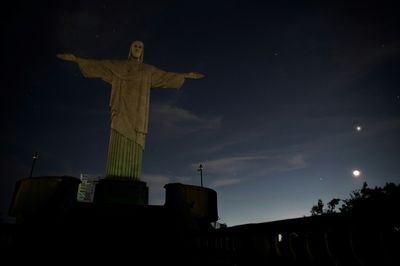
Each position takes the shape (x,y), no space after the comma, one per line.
(136,52)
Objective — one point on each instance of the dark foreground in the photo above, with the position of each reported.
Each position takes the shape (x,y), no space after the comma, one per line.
(156,234)
(52,227)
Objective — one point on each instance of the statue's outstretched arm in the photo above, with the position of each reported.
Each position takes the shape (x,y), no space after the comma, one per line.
(193,75)
(91,68)
(67,57)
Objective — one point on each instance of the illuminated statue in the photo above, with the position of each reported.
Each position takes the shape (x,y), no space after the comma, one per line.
(131,82)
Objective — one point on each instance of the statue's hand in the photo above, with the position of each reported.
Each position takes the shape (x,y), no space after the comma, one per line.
(194,75)
(67,57)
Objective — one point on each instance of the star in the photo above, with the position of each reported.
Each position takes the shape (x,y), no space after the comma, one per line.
(358,128)
(356,173)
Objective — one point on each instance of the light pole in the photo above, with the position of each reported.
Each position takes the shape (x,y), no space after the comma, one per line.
(201,174)
(35,156)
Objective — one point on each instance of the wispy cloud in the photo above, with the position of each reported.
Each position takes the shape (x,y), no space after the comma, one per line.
(232,170)
(224,182)
(295,162)
(230,165)
(331,131)
(177,121)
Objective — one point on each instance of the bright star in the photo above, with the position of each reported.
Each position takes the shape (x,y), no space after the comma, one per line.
(356,173)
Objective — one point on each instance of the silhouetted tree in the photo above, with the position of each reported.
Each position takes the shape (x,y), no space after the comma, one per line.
(376,202)
(318,209)
(356,197)
(332,205)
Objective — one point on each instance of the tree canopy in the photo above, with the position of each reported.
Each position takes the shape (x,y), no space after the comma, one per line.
(366,200)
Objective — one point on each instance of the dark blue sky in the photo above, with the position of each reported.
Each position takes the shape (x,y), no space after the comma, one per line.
(273,121)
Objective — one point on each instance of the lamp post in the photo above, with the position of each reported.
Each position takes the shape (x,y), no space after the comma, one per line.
(35,156)
(200,169)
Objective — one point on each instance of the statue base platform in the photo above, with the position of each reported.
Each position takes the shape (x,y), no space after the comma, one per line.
(110,191)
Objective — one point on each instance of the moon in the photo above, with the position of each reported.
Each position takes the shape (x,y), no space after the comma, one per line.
(356,173)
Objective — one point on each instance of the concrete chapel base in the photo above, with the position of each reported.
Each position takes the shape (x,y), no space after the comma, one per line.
(109,191)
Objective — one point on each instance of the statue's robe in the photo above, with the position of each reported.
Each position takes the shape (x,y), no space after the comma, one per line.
(129,103)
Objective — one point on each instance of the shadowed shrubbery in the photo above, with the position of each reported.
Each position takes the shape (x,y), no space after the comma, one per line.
(365,201)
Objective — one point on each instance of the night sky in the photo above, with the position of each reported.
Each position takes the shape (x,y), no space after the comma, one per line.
(274,120)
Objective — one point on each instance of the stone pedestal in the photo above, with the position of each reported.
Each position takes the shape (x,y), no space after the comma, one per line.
(110,191)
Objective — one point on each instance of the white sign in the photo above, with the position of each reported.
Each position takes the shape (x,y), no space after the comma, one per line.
(87,187)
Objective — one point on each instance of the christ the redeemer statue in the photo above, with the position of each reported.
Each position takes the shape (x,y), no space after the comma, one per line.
(131,81)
